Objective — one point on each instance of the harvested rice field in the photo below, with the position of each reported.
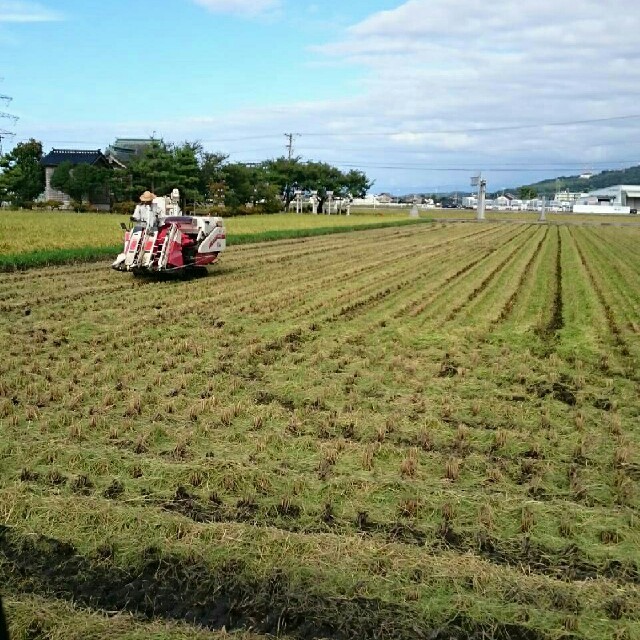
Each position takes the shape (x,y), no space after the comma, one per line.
(419,432)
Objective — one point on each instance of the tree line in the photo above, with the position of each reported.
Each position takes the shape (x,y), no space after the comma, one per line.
(202,177)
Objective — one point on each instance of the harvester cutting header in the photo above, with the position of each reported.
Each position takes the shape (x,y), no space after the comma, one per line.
(165,241)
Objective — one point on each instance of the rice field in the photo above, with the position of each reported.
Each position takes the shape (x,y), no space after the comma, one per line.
(420,432)
(25,231)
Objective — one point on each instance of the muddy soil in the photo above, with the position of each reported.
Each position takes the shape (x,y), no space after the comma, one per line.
(185,589)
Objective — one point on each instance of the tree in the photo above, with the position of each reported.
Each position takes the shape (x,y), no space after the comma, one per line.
(185,172)
(284,173)
(240,184)
(211,173)
(61,177)
(199,174)
(152,171)
(81,181)
(527,193)
(315,176)
(22,177)
(357,183)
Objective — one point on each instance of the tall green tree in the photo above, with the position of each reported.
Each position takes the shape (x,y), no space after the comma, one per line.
(240,184)
(211,165)
(82,182)
(527,193)
(152,171)
(185,172)
(285,174)
(22,176)
(61,177)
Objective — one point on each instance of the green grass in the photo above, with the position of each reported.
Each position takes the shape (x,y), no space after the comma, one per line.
(408,429)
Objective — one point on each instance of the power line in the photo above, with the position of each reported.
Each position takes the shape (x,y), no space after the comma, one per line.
(415,167)
(334,134)
(330,134)
(479,129)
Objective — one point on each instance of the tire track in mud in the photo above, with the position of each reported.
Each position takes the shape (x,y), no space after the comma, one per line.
(566,564)
(230,596)
(549,333)
(557,319)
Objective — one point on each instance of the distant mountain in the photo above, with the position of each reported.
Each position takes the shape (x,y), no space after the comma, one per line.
(597,181)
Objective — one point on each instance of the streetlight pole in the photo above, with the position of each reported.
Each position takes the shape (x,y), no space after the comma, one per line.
(481,183)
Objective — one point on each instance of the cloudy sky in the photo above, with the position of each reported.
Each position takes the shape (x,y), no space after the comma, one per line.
(419,94)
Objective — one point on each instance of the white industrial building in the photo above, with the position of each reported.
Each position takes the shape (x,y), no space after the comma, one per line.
(621,198)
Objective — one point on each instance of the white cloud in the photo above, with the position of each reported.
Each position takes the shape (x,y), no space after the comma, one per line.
(438,66)
(241,7)
(441,79)
(23,11)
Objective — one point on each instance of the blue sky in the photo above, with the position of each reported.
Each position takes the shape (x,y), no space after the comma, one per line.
(418,93)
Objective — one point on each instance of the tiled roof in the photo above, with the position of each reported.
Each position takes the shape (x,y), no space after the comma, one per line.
(75,156)
(126,149)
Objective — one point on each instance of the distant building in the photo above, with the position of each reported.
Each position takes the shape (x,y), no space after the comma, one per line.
(501,203)
(568,196)
(620,198)
(470,202)
(125,150)
(56,157)
(367,201)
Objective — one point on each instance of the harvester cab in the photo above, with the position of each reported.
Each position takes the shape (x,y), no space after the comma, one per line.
(163,240)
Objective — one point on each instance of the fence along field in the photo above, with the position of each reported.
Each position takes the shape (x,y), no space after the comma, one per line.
(380,434)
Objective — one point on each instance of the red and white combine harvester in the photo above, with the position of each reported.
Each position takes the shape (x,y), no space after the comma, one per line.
(165,241)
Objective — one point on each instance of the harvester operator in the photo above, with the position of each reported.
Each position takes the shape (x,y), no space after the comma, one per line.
(144,212)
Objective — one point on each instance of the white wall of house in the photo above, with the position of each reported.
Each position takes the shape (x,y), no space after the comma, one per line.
(49,192)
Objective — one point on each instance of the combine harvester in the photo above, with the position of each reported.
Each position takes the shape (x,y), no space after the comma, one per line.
(165,241)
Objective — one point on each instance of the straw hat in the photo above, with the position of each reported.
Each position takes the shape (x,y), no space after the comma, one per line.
(147,196)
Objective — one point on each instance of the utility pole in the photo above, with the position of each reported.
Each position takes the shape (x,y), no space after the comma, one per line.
(290,137)
(542,211)
(3,132)
(481,183)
